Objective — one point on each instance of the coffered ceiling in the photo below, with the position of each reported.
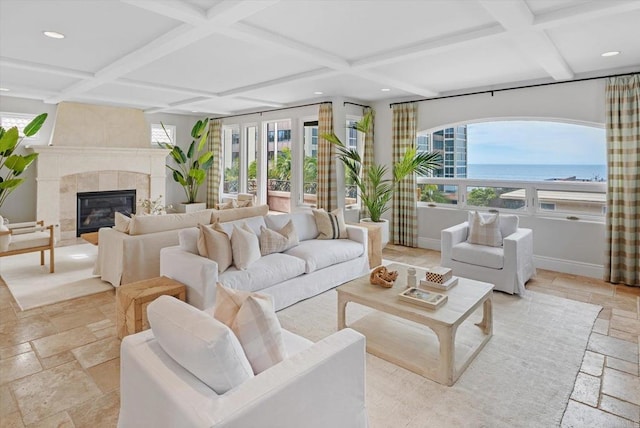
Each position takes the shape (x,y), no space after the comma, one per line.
(230,56)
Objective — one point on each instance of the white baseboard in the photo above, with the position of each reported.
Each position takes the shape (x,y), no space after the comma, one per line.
(549,263)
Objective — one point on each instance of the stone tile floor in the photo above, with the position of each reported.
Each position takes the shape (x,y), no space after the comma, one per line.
(60,366)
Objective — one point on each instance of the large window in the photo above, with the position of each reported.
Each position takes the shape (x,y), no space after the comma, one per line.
(535,166)
(231,158)
(158,135)
(9,120)
(310,162)
(354,140)
(279,155)
(251,159)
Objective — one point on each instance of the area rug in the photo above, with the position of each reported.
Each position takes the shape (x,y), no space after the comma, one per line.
(522,378)
(32,285)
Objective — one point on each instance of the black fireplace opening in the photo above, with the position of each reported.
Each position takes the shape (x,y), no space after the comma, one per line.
(97,209)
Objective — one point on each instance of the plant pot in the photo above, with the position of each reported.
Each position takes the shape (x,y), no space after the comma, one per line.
(189,208)
(384,226)
(5,239)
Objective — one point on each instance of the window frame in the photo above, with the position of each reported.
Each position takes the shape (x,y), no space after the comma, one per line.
(26,117)
(170,128)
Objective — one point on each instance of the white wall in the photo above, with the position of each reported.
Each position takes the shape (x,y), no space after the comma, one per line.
(576,247)
(21,204)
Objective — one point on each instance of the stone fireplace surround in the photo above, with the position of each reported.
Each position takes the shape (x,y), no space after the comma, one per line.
(62,171)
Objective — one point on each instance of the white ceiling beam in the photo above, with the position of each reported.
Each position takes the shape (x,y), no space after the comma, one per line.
(162,87)
(307,75)
(258,36)
(44,68)
(516,17)
(223,14)
(584,11)
(176,9)
(184,103)
(430,47)
(395,83)
(261,102)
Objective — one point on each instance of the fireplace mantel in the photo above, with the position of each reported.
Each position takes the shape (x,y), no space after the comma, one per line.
(56,162)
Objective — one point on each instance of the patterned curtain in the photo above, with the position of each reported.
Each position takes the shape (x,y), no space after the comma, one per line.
(623,180)
(404,230)
(367,159)
(214,144)
(327,192)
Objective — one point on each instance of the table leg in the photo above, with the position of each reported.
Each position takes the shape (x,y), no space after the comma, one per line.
(447,339)
(342,308)
(487,317)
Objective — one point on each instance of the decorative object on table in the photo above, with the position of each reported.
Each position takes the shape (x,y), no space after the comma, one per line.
(154,206)
(440,286)
(424,298)
(375,191)
(383,277)
(192,166)
(12,165)
(439,274)
(411,277)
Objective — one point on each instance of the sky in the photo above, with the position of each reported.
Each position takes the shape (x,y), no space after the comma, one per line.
(531,142)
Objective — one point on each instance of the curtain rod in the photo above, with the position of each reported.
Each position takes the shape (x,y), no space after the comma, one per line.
(275,109)
(491,91)
(355,104)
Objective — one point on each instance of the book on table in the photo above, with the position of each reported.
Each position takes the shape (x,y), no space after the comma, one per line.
(428,299)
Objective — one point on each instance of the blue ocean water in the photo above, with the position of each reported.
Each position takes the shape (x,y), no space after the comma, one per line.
(536,172)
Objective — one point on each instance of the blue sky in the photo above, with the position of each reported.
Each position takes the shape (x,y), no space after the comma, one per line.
(530,142)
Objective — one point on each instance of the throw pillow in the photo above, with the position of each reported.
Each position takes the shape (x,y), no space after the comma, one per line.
(484,229)
(228,303)
(330,225)
(245,203)
(245,246)
(122,222)
(215,245)
(260,334)
(227,205)
(272,241)
(202,345)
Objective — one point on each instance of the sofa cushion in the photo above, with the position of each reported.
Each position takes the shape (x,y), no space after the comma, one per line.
(214,244)
(29,240)
(277,241)
(269,270)
(245,246)
(224,216)
(257,328)
(330,225)
(318,254)
(484,229)
(227,205)
(122,223)
(143,224)
(188,239)
(228,303)
(479,255)
(303,221)
(201,344)
(508,224)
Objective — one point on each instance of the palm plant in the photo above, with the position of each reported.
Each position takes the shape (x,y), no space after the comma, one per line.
(12,165)
(377,193)
(192,167)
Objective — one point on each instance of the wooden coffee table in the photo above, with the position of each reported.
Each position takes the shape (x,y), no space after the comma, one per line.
(397,331)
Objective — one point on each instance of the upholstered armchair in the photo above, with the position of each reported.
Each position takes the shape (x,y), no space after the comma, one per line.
(32,236)
(508,265)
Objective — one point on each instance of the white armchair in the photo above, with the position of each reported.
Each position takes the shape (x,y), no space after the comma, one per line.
(508,267)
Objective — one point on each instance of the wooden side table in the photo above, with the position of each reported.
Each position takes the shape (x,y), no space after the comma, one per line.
(375,243)
(132,300)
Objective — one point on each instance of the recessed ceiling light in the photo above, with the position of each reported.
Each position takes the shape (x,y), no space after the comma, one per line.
(318,93)
(385,89)
(4,90)
(53,34)
(610,53)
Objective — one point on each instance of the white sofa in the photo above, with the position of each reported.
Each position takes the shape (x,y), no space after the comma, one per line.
(303,271)
(318,385)
(507,267)
(133,255)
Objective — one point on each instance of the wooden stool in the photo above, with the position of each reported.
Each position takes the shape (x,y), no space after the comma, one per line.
(132,300)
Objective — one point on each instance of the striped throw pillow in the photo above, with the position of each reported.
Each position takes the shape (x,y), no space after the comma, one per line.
(330,225)
(277,241)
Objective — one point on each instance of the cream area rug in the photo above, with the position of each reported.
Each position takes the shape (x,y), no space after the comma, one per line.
(32,285)
(522,378)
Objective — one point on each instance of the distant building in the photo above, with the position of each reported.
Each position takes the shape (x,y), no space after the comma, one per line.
(452,143)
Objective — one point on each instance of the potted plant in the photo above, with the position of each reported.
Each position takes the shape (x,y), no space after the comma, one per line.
(12,165)
(376,195)
(192,166)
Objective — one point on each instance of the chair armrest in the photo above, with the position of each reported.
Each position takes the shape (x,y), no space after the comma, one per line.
(358,234)
(450,237)
(321,386)
(520,240)
(199,274)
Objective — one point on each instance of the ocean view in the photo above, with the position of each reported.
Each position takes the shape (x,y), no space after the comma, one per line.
(536,172)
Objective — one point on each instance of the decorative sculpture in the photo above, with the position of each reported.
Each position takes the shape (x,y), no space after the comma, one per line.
(383,277)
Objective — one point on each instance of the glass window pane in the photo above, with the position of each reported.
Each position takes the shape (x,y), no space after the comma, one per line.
(231,158)
(496,197)
(438,193)
(354,140)
(310,162)
(589,203)
(252,158)
(279,165)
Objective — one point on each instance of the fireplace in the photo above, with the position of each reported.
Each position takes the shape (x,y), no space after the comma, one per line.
(97,209)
